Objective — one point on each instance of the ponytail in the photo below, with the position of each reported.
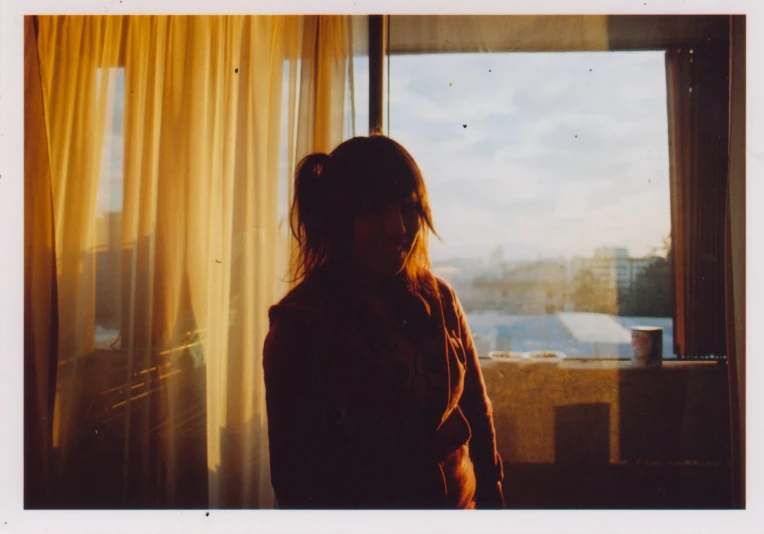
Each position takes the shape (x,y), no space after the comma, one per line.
(306,214)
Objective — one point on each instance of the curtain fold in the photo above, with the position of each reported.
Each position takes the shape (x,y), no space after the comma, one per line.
(76,107)
(697,95)
(41,303)
(323,73)
(165,138)
(736,257)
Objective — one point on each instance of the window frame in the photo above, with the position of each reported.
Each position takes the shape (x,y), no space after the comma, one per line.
(625,33)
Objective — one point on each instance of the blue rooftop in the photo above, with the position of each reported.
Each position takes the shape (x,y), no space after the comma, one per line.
(578,335)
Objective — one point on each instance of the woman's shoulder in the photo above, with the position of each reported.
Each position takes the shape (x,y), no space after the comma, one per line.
(442,284)
(296,325)
(307,324)
(448,298)
(444,290)
(308,295)
(316,303)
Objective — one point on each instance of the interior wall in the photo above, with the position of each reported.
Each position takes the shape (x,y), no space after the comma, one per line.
(627,32)
(606,435)
(417,34)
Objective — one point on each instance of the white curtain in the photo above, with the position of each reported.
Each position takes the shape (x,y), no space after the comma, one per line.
(170,138)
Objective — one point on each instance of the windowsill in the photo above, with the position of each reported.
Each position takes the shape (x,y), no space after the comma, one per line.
(628,364)
(603,363)
(583,431)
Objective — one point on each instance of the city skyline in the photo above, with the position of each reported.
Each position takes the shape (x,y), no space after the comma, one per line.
(517,252)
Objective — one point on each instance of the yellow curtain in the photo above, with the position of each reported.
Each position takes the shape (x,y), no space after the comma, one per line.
(40,311)
(189,247)
(325,49)
(75,103)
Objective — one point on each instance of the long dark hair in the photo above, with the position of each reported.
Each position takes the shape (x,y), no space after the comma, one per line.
(362,173)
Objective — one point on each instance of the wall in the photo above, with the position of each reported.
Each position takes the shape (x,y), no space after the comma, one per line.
(602,434)
(417,34)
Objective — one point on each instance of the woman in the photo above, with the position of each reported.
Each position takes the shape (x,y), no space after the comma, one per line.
(374,393)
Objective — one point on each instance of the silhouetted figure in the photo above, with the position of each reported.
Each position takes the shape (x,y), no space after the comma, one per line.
(374,392)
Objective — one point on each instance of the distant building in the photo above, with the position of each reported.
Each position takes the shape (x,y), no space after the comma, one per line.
(610,265)
(539,287)
(637,266)
(525,288)
(497,256)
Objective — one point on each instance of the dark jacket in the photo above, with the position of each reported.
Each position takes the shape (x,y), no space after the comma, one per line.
(342,431)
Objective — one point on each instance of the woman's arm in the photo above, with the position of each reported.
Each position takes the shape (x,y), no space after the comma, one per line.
(303,467)
(477,408)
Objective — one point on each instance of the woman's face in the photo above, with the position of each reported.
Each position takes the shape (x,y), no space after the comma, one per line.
(384,237)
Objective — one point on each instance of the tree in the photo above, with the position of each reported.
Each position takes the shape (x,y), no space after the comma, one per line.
(651,295)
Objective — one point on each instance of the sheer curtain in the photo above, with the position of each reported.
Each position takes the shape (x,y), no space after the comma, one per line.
(74,115)
(40,310)
(168,144)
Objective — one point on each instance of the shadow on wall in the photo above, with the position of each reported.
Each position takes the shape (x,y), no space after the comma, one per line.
(166,463)
(587,437)
(167,466)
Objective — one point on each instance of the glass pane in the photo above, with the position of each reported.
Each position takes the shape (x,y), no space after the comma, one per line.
(109,214)
(549,180)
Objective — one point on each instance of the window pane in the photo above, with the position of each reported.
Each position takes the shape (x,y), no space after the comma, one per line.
(549,180)
(109,213)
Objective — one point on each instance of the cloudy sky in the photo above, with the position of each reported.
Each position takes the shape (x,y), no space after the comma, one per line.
(110,188)
(561,153)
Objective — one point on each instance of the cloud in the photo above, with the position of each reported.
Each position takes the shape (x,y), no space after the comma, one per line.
(554,155)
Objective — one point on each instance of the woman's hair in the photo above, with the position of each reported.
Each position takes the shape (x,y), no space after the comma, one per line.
(362,174)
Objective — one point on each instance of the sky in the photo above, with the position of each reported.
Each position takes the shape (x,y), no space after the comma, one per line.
(110,187)
(544,154)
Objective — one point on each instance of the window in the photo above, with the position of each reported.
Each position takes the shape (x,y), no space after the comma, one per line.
(109,204)
(549,180)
